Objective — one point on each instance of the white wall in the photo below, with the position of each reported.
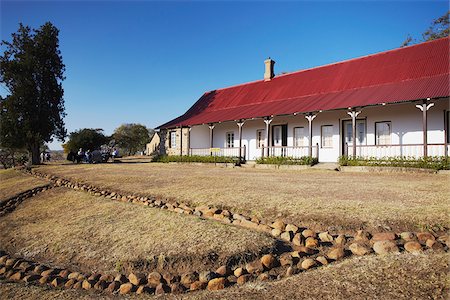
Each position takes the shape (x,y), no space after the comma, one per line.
(406,122)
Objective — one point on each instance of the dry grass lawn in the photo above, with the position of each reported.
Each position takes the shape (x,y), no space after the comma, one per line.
(402,276)
(13,182)
(319,199)
(87,233)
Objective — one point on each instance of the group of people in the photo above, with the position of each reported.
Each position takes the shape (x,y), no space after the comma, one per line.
(89,156)
(45,156)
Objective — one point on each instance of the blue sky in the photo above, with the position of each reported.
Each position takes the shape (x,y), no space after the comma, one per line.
(148,62)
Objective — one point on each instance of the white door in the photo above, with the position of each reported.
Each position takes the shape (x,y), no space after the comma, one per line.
(360,133)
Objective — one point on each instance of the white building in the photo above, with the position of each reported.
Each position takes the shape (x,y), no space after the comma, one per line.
(393,103)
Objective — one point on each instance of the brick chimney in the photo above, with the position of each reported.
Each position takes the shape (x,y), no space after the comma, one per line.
(269,74)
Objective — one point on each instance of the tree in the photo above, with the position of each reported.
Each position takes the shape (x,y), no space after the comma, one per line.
(438,29)
(87,139)
(132,137)
(32,70)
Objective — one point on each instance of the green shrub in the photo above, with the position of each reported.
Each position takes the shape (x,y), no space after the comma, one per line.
(431,162)
(195,158)
(283,160)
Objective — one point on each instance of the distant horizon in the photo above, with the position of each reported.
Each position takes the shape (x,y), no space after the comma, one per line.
(148,62)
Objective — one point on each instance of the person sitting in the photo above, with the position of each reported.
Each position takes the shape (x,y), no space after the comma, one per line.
(115,154)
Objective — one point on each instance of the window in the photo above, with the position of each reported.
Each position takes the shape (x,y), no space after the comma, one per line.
(173,139)
(383,133)
(299,136)
(327,136)
(229,142)
(260,138)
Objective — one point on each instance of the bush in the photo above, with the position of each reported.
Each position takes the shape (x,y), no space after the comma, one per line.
(283,160)
(195,158)
(435,162)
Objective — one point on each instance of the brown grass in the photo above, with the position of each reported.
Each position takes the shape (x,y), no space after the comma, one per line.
(319,199)
(13,182)
(403,276)
(87,233)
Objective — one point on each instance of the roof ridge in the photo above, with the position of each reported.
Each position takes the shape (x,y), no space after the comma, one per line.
(331,92)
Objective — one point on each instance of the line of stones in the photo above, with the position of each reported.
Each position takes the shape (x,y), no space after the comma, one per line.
(11,203)
(309,250)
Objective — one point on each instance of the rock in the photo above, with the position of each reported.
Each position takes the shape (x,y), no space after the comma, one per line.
(154,278)
(311,242)
(135,279)
(58,282)
(44,279)
(278,224)
(106,277)
(142,289)
(291,271)
(362,236)
(322,260)
(276,232)
(16,276)
(340,240)
(198,285)
(424,236)
(31,278)
(73,275)
(297,239)
(286,259)
(3,270)
(48,272)
(291,227)
(3,259)
(287,236)
(268,261)
(162,289)
(176,288)
(39,269)
(263,277)
(243,279)
(336,253)
(87,284)
(206,276)
(358,249)
(223,271)
(113,286)
(126,288)
(383,236)
(254,267)
(70,283)
(77,285)
(217,284)
(100,285)
(121,278)
(385,247)
(170,278)
(188,278)
(239,271)
(232,279)
(64,274)
(407,236)
(94,277)
(301,251)
(307,264)
(308,233)
(413,247)
(10,262)
(325,237)
(444,239)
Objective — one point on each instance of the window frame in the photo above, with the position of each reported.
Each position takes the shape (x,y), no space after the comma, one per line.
(173,143)
(263,139)
(322,140)
(226,139)
(376,133)
(295,137)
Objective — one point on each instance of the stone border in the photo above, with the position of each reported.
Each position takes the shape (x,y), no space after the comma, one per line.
(307,249)
(385,169)
(11,203)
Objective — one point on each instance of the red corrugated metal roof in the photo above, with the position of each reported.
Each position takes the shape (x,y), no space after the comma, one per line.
(405,74)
